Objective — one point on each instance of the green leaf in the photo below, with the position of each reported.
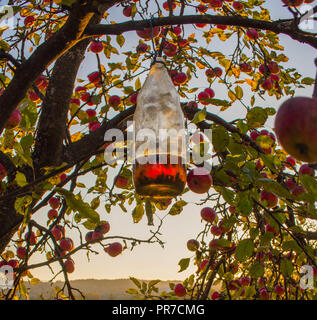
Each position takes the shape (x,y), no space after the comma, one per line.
(21,179)
(244,250)
(4,45)
(138,213)
(177,208)
(153,283)
(291,245)
(220,138)
(200,116)
(132,291)
(22,203)
(287,267)
(95,203)
(256,117)
(183,263)
(257,270)
(137,84)
(239,92)
(149,212)
(68,3)
(218,102)
(136,282)
(78,205)
(266,238)
(308,81)
(224,243)
(120,40)
(245,204)
(273,186)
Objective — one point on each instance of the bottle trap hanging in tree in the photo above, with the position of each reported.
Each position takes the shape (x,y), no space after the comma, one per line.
(159,169)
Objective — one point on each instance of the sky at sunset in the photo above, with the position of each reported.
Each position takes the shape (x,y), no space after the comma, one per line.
(151,261)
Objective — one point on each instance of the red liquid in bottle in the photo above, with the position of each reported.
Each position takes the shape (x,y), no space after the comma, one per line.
(160,180)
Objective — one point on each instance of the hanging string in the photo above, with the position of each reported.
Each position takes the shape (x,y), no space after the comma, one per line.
(152,39)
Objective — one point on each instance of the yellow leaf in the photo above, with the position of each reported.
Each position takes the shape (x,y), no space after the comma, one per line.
(200,65)
(34,281)
(77,136)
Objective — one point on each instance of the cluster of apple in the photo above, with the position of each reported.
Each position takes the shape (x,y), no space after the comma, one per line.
(41,83)
(112,249)
(82,94)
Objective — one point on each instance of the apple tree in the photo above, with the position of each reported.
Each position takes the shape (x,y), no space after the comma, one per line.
(258,200)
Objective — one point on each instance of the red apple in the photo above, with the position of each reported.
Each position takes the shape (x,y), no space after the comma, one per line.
(215,295)
(94,126)
(133,98)
(91,113)
(290,183)
(94,77)
(293,3)
(57,233)
(170,49)
(14,119)
(298,190)
(146,33)
(202,96)
(114,101)
(192,104)
(30,238)
(279,290)
(96,47)
(208,214)
(252,34)
(267,84)
(192,245)
(28,21)
(69,266)
(216,231)
(179,78)
(13,263)
(166,6)
(142,47)
(245,281)
(245,67)
(21,252)
(52,214)
(127,11)
(54,202)
(66,244)
(295,128)
(306,169)
(121,182)
(237,5)
(199,180)
(215,4)
(268,199)
(88,236)
(3,172)
(210,92)
(180,290)
(114,249)
(273,67)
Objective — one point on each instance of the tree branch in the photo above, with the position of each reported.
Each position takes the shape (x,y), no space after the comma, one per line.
(286,26)
(51,49)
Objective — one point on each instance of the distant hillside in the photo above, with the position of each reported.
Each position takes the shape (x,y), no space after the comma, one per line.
(92,289)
